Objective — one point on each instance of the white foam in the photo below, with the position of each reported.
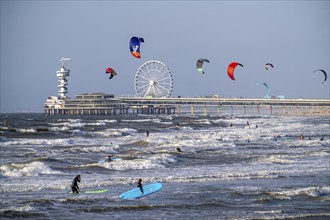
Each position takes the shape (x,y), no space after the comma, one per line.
(147,162)
(116,132)
(26,130)
(310,191)
(275,159)
(26,208)
(64,128)
(30,169)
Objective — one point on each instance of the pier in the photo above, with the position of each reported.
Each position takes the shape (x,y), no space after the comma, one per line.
(106,104)
(233,105)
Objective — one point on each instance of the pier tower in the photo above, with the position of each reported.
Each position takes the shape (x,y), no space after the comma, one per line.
(63,82)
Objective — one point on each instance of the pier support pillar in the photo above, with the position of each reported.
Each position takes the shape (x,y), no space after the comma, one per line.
(271,110)
(178,109)
(258,107)
(205,110)
(218,109)
(192,110)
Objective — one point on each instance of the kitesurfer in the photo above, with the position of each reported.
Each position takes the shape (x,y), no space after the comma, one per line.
(109,159)
(147,133)
(140,185)
(302,137)
(74,185)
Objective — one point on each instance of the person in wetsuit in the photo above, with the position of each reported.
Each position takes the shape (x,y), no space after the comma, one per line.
(74,185)
(109,159)
(147,133)
(140,185)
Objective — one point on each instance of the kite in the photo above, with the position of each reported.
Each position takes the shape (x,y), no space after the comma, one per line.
(199,65)
(268,89)
(325,74)
(111,72)
(134,46)
(231,69)
(268,65)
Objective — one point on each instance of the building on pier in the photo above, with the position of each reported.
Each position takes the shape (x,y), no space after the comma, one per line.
(86,104)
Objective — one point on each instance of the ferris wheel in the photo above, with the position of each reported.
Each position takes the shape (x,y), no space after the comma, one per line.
(154,79)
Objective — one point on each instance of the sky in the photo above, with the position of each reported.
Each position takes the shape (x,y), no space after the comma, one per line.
(292,35)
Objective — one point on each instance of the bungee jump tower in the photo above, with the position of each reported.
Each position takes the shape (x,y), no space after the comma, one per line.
(63,82)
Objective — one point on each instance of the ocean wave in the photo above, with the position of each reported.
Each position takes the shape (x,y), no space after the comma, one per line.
(280,159)
(107,121)
(155,120)
(17,211)
(111,148)
(26,208)
(36,142)
(26,130)
(314,192)
(151,162)
(59,129)
(29,169)
(116,132)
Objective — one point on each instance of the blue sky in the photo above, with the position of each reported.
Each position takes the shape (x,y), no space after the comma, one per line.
(292,35)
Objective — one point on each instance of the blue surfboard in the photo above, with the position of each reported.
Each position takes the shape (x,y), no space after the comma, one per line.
(136,192)
(105,160)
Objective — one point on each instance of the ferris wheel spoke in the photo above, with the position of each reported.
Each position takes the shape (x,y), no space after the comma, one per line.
(146,74)
(163,88)
(160,80)
(145,91)
(159,93)
(148,80)
(142,86)
(162,73)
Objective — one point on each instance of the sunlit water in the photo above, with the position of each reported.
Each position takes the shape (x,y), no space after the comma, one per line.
(223,171)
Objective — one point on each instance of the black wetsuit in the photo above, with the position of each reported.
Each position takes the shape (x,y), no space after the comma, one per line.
(140,186)
(74,185)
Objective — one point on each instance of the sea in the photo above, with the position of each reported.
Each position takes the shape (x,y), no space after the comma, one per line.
(227,166)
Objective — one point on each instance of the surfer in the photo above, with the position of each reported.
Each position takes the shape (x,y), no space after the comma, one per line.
(74,185)
(302,137)
(109,158)
(178,149)
(140,185)
(147,133)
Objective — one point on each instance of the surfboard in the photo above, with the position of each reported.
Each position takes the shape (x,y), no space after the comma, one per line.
(136,192)
(92,191)
(105,160)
